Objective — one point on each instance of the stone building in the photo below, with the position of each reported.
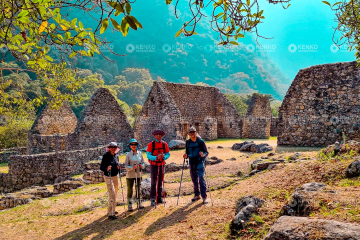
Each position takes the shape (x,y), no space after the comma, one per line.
(50,129)
(102,121)
(322,103)
(175,107)
(257,122)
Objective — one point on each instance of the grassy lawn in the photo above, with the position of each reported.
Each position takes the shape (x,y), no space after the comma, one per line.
(4,167)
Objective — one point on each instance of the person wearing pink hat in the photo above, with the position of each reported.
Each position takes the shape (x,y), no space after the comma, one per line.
(110,166)
(157,152)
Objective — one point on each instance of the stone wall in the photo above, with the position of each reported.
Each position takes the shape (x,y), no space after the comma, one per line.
(102,121)
(174,108)
(42,169)
(5,154)
(274,127)
(51,120)
(322,102)
(46,143)
(257,122)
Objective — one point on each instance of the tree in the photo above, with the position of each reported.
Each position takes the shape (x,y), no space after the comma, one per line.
(347,15)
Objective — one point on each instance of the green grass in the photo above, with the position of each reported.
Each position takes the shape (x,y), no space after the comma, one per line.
(4,167)
(350,182)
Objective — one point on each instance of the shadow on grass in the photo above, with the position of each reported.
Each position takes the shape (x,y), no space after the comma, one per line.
(171,219)
(104,228)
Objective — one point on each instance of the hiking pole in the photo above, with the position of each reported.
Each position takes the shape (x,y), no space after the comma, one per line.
(111,187)
(182,172)
(157,184)
(163,172)
(139,188)
(136,186)
(207,183)
(122,190)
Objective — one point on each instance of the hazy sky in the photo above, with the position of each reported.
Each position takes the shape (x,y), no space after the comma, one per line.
(308,23)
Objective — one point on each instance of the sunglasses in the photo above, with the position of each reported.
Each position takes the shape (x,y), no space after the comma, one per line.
(192,132)
(112,147)
(133,144)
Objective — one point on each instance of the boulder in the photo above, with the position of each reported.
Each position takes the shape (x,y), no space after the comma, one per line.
(303,228)
(247,146)
(146,187)
(244,209)
(176,144)
(238,146)
(261,148)
(353,170)
(300,202)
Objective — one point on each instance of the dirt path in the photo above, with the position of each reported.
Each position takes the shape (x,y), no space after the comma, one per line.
(61,217)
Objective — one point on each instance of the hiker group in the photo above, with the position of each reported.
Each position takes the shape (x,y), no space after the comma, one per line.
(157,153)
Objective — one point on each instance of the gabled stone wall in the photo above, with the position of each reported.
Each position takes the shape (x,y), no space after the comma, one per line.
(102,121)
(257,122)
(322,102)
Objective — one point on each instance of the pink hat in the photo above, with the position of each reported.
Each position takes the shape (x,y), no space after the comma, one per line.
(113,144)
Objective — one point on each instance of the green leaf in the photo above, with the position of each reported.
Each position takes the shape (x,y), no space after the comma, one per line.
(112,4)
(131,23)
(327,3)
(67,35)
(23,13)
(104,25)
(92,36)
(240,35)
(115,24)
(168,1)
(124,26)
(248,2)
(178,33)
(219,15)
(135,21)
(336,3)
(81,25)
(49,58)
(73,23)
(234,43)
(128,8)
(72,54)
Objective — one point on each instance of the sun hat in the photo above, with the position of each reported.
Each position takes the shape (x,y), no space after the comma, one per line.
(133,141)
(156,132)
(113,144)
(192,129)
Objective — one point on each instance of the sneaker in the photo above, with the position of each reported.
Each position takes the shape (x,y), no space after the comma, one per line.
(153,203)
(112,217)
(141,206)
(205,201)
(160,200)
(116,213)
(130,208)
(195,198)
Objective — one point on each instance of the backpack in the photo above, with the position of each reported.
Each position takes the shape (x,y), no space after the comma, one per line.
(153,147)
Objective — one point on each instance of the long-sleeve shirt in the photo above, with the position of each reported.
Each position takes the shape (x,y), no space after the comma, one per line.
(158,149)
(193,150)
(107,160)
(131,160)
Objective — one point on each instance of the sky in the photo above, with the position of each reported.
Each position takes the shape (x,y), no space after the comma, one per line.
(308,24)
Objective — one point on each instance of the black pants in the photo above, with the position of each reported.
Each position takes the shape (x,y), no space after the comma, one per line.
(154,175)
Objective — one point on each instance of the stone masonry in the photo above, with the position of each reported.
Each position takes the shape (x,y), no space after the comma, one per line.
(42,169)
(257,122)
(322,103)
(102,121)
(175,107)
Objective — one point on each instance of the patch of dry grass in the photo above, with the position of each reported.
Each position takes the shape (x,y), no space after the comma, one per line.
(4,167)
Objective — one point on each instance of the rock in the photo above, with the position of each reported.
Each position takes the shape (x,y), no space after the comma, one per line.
(261,148)
(262,166)
(353,170)
(303,228)
(232,159)
(146,187)
(176,144)
(220,147)
(213,162)
(213,158)
(247,146)
(238,146)
(300,202)
(264,157)
(254,163)
(271,154)
(253,172)
(244,209)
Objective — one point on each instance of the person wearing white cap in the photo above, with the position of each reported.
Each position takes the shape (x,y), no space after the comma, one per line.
(110,166)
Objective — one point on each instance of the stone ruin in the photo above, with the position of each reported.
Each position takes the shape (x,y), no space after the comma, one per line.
(257,122)
(175,107)
(50,128)
(321,106)
(102,121)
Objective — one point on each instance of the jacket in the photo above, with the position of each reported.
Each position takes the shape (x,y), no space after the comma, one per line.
(108,160)
(131,160)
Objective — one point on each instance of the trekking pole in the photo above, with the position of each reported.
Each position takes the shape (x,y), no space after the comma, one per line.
(163,172)
(182,172)
(111,187)
(139,187)
(136,186)
(122,190)
(157,184)
(207,183)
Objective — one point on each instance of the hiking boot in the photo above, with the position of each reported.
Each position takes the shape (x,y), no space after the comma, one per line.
(153,203)
(112,217)
(116,213)
(160,200)
(194,199)
(130,208)
(205,201)
(141,206)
